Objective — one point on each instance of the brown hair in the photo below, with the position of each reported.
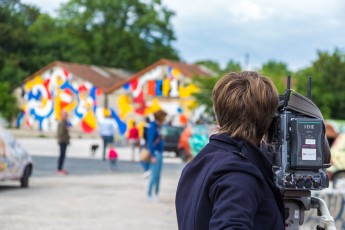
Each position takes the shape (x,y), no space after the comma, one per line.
(244,104)
(160,115)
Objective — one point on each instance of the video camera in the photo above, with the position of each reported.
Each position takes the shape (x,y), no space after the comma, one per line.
(298,147)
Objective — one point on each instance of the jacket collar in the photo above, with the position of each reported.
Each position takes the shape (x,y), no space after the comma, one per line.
(249,151)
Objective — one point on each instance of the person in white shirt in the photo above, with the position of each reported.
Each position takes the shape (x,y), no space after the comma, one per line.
(107,132)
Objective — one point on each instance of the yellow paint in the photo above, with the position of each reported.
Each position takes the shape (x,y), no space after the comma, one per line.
(59,80)
(141,126)
(129,125)
(176,73)
(106,112)
(57,101)
(71,106)
(125,106)
(33,82)
(57,108)
(166,87)
(188,90)
(153,108)
(90,119)
(191,104)
(44,102)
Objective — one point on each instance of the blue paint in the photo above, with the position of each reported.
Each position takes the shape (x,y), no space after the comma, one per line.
(126,86)
(159,84)
(122,126)
(36,96)
(93,95)
(40,118)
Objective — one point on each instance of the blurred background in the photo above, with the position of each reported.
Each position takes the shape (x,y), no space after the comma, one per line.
(128,59)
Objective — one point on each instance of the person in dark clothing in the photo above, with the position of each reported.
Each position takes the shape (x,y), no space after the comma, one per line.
(229,184)
(155,145)
(63,140)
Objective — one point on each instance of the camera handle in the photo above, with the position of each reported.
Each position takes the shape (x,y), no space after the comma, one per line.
(295,207)
(327,221)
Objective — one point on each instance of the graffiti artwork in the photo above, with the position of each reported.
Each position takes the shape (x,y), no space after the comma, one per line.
(47,95)
(55,90)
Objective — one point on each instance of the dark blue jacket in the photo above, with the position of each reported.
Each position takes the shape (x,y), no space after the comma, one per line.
(154,139)
(228,185)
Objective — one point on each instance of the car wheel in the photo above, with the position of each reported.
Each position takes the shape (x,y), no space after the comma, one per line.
(339,181)
(24,181)
(183,155)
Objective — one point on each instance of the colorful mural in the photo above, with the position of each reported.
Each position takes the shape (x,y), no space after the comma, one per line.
(160,82)
(46,95)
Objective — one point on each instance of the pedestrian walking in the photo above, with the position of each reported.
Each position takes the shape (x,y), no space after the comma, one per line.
(112,157)
(107,131)
(155,145)
(64,141)
(133,139)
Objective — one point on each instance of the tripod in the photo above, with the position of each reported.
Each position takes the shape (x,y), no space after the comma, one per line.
(296,202)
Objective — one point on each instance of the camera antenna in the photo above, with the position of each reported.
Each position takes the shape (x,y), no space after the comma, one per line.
(287,92)
(309,87)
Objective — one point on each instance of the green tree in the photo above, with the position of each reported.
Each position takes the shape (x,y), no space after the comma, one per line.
(54,42)
(328,83)
(8,103)
(232,66)
(210,64)
(15,43)
(206,84)
(278,72)
(128,34)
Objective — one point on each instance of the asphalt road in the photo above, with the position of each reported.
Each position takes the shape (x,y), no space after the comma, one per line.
(89,197)
(46,166)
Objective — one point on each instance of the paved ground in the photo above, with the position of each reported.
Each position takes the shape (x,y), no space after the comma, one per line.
(114,201)
(90,197)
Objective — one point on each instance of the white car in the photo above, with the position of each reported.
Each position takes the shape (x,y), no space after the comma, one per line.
(15,162)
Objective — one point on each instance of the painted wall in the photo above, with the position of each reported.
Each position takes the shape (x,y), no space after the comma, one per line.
(44,97)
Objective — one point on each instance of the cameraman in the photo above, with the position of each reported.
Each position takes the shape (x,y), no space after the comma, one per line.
(229,184)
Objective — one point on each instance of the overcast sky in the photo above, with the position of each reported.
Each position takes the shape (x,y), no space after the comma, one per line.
(290,31)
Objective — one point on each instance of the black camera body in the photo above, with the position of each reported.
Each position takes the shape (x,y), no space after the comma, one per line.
(297,144)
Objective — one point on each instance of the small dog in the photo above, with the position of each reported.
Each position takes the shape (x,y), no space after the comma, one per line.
(94,148)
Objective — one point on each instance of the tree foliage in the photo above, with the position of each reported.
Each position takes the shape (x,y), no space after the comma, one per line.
(128,34)
(328,83)
(15,43)
(278,72)
(8,103)
(133,34)
(206,84)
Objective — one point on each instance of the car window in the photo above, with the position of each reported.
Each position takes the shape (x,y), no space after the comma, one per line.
(172,131)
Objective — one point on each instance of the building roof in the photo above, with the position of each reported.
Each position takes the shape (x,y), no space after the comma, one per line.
(188,70)
(101,77)
(109,79)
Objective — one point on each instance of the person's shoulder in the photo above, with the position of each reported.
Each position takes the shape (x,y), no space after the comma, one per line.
(220,158)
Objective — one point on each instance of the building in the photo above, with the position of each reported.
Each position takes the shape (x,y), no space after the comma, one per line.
(85,92)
